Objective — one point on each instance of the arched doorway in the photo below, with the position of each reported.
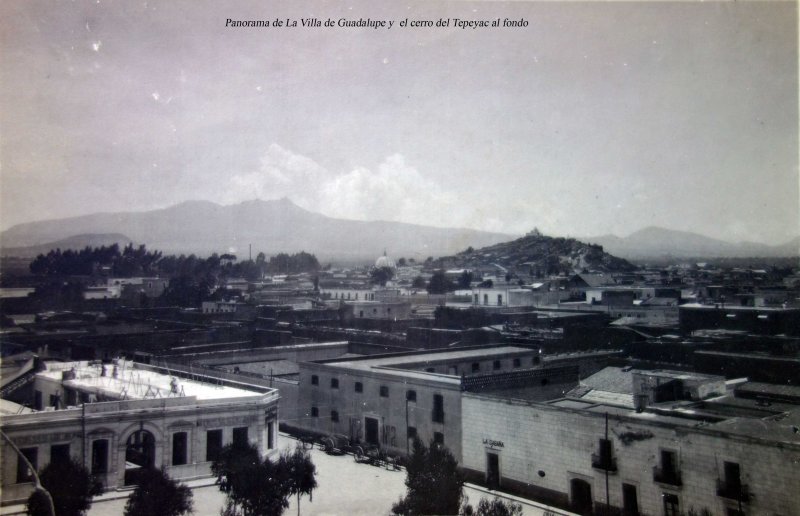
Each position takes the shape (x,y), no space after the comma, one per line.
(580,494)
(140,453)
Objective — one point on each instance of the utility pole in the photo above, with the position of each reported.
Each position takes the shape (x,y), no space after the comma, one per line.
(608,503)
(37,484)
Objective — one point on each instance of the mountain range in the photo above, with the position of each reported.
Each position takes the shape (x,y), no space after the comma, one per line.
(655,242)
(203,227)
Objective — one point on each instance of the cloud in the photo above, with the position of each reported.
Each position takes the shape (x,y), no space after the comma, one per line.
(395,191)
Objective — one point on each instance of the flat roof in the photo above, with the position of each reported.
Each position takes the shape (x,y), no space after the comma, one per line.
(401,359)
(132,382)
(678,375)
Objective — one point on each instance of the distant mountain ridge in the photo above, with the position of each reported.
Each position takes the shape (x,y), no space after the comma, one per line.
(203,227)
(73,242)
(656,242)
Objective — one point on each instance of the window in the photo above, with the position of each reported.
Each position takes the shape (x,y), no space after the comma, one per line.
(630,502)
(476,366)
(213,444)
(314,412)
(240,436)
(59,453)
(359,387)
(733,478)
(314,379)
(334,383)
(411,432)
(334,416)
(486,299)
(517,363)
(671,504)
(99,456)
(536,360)
(411,395)
(179,442)
(438,438)
(24,473)
(731,487)
(384,391)
(37,400)
(496,365)
(430,370)
(438,408)
(604,459)
(270,435)
(499,300)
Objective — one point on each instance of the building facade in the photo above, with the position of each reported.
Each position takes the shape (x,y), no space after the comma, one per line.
(737,457)
(117,421)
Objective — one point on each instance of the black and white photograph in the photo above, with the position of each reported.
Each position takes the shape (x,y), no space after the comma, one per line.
(415,257)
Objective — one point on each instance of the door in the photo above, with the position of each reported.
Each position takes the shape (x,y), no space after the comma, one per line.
(492,470)
(140,454)
(581,496)
(371,431)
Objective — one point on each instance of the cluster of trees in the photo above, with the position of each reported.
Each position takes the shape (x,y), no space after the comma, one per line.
(435,485)
(381,275)
(71,488)
(256,486)
(130,261)
(138,261)
(441,284)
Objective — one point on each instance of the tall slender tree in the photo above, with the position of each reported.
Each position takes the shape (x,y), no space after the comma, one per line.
(300,473)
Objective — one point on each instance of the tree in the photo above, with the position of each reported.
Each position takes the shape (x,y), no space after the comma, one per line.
(253,486)
(300,473)
(419,282)
(157,494)
(401,262)
(380,275)
(71,486)
(496,507)
(434,483)
(465,279)
(440,283)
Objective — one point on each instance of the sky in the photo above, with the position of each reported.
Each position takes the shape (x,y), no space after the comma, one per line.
(595,118)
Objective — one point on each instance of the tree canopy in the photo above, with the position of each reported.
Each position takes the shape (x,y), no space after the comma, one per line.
(71,486)
(300,472)
(381,275)
(254,486)
(157,493)
(440,283)
(434,483)
(496,507)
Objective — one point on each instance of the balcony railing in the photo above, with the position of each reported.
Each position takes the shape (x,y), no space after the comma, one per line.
(604,462)
(670,477)
(733,491)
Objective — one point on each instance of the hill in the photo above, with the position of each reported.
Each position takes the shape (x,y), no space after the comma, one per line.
(204,227)
(549,255)
(655,242)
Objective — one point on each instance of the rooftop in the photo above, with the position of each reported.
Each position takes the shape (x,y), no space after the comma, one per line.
(127,380)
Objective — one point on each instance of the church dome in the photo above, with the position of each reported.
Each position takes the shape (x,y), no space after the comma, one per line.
(384,261)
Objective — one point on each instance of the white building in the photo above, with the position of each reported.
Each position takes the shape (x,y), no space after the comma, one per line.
(117,419)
